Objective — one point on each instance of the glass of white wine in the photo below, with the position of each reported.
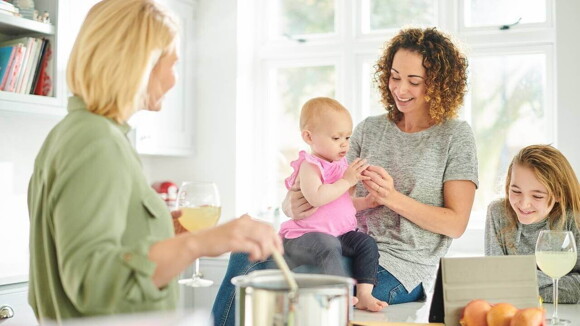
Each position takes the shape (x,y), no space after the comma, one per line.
(556,256)
(200,207)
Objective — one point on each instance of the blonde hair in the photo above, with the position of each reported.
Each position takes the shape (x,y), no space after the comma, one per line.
(313,111)
(552,170)
(115,51)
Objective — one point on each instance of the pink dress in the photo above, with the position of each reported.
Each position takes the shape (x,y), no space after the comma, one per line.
(335,218)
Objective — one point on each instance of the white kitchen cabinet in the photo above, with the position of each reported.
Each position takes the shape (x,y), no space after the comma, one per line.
(15,297)
(168,132)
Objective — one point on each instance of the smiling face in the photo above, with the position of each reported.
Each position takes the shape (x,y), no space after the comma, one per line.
(329,138)
(407,82)
(528,197)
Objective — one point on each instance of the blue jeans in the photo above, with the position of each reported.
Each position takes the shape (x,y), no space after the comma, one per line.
(388,288)
(326,252)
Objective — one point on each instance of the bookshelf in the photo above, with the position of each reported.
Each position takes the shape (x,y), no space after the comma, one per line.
(12,27)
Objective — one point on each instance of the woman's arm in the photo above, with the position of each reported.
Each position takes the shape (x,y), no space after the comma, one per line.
(450,220)
(244,234)
(295,205)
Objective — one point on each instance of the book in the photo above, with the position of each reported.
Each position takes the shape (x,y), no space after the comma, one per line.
(44,83)
(30,66)
(25,64)
(36,71)
(6,56)
(6,5)
(14,68)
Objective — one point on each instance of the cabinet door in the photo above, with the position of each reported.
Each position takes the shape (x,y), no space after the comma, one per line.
(169,132)
(16,297)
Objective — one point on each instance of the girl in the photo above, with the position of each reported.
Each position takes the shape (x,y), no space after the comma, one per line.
(326,180)
(542,193)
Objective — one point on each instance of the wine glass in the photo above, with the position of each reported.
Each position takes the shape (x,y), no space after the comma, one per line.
(200,207)
(556,256)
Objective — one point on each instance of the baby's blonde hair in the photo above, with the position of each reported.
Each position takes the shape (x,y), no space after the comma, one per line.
(314,110)
(115,51)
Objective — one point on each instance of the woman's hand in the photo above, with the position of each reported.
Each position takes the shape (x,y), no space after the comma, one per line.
(243,234)
(295,205)
(176,225)
(380,185)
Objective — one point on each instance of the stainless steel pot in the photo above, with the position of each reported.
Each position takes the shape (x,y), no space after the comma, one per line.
(262,299)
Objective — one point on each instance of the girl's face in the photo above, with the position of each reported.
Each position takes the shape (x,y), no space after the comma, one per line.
(527,196)
(161,80)
(330,138)
(407,82)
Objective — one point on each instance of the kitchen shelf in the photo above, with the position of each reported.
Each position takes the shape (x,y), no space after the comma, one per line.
(12,25)
(28,103)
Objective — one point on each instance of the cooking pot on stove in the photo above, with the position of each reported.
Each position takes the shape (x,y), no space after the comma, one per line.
(263,298)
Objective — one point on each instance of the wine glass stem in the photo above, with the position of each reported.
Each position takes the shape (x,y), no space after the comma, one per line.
(196,274)
(555,298)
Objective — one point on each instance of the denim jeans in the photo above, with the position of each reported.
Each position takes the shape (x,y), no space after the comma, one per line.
(326,252)
(388,288)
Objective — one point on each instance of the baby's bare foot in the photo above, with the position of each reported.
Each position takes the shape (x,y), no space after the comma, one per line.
(370,303)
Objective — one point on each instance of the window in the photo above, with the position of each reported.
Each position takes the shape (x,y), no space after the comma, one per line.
(328,48)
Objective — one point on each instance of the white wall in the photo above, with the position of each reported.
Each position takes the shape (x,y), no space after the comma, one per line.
(567,75)
(21,137)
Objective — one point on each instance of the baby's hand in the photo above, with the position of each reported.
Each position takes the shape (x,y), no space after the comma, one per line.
(353,173)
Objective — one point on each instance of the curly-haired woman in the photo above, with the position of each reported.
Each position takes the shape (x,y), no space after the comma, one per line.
(424,168)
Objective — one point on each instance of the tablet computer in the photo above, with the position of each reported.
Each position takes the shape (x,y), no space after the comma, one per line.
(496,279)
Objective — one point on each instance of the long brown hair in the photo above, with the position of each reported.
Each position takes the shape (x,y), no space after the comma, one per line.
(552,170)
(445,66)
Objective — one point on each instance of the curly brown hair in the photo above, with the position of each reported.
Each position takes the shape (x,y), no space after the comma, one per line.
(445,66)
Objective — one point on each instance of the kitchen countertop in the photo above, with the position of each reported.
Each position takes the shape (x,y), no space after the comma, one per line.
(418,312)
(406,314)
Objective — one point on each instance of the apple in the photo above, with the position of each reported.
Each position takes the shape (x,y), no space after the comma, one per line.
(474,313)
(529,317)
(501,314)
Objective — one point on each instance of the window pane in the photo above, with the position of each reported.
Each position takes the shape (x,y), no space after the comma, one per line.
(295,86)
(389,14)
(302,17)
(500,12)
(371,98)
(508,113)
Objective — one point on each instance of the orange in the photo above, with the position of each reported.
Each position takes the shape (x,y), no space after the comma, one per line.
(501,314)
(474,313)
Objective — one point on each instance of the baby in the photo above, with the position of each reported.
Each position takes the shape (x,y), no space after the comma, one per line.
(326,181)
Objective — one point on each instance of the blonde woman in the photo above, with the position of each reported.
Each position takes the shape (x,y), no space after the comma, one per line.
(101,240)
(541,193)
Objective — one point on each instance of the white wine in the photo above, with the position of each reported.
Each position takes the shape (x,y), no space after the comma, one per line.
(198,218)
(556,263)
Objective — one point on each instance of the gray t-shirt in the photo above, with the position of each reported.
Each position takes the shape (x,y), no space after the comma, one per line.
(420,163)
(522,241)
